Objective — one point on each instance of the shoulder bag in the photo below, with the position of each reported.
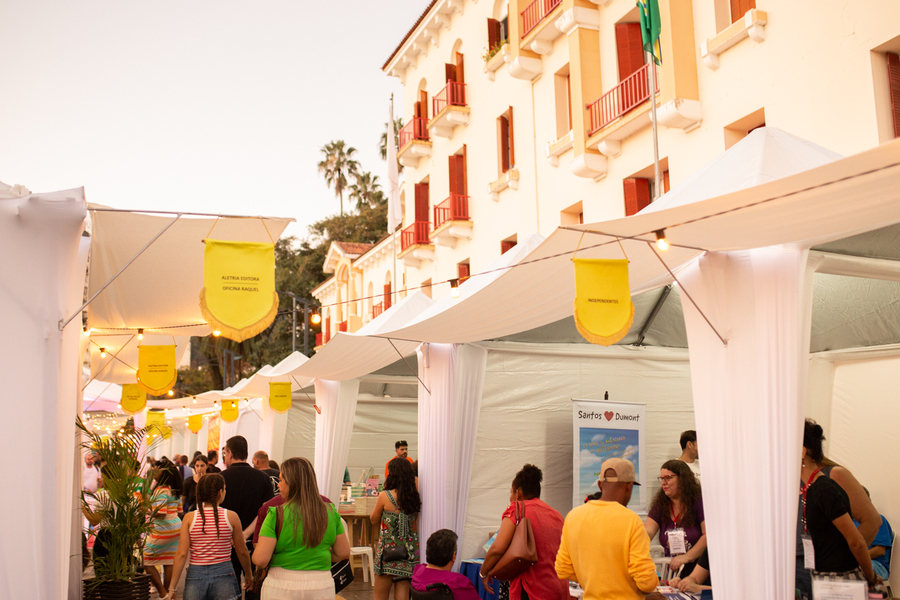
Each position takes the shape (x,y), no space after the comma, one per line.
(259,573)
(522,551)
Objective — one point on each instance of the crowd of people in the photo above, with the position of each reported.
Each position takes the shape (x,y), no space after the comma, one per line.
(220,522)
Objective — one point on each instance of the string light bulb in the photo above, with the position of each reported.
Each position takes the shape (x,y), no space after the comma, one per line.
(195,401)
(217,333)
(171,393)
(140,334)
(661,242)
(316,318)
(102,352)
(86,330)
(454,288)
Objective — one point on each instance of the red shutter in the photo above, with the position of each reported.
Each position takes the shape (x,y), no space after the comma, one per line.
(462,174)
(740,7)
(503,143)
(449,72)
(453,169)
(637,194)
(493,33)
(629,48)
(423,104)
(460,69)
(893,62)
(462,271)
(512,145)
(417,109)
(506,246)
(665,181)
(387,296)
(422,202)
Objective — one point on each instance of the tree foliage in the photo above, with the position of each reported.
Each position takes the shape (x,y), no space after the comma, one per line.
(337,166)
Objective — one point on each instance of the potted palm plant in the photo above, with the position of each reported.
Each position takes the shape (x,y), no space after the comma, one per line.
(123,510)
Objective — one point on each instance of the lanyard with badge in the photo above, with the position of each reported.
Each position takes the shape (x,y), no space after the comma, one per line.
(676,537)
(809,554)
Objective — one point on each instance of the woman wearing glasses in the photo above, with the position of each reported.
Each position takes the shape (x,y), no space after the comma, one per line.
(677,514)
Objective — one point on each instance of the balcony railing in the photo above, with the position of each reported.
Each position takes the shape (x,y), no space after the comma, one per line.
(416,129)
(629,94)
(417,233)
(342,326)
(535,12)
(453,94)
(377,309)
(454,208)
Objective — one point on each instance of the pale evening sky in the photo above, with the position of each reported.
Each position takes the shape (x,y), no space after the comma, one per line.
(195,105)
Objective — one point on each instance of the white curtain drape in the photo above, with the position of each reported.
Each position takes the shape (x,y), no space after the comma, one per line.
(748,403)
(449,406)
(226,431)
(337,401)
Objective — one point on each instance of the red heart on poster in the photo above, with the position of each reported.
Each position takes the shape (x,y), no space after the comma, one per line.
(609,415)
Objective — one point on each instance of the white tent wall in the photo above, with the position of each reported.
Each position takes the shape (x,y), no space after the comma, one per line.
(248,426)
(863,434)
(376,426)
(526,417)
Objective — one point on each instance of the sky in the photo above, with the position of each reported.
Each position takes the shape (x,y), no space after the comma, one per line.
(196,105)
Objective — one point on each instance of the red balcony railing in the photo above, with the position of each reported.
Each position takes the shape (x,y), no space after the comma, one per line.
(416,129)
(454,94)
(454,208)
(535,12)
(629,94)
(417,233)
(377,309)
(342,326)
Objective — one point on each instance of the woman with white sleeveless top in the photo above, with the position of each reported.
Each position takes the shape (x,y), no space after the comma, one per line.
(207,534)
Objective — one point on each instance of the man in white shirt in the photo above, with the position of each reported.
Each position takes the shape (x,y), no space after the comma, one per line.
(91,475)
(689,453)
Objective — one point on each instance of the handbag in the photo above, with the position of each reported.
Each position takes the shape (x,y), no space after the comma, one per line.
(394,553)
(342,574)
(259,573)
(521,553)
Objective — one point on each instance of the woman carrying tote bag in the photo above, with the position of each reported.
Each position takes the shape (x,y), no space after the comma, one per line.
(540,581)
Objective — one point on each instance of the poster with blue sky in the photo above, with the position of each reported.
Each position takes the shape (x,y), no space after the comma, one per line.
(607,430)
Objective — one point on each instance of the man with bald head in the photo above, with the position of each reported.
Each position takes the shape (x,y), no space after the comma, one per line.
(604,546)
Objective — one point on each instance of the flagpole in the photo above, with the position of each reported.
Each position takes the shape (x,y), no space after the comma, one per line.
(392,140)
(651,82)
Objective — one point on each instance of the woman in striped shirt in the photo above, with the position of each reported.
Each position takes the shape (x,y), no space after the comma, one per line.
(208,534)
(160,546)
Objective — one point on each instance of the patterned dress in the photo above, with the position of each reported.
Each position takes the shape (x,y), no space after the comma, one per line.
(397,529)
(162,543)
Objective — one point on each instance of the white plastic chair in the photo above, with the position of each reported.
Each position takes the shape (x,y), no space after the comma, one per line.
(365,554)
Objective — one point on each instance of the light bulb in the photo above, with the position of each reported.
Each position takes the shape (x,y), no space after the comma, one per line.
(171,392)
(316,318)
(140,334)
(86,330)
(217,333)
(195,401)
(454,288)
(102,352)
(661,242)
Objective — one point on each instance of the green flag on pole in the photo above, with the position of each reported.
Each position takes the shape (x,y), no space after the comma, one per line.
(650,28)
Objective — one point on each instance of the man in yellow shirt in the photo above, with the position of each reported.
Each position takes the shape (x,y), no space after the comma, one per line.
(604,546)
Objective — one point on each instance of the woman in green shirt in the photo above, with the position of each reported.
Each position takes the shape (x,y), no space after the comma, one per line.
(311,538)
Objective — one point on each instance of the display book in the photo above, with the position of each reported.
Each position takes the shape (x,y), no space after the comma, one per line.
(361,497)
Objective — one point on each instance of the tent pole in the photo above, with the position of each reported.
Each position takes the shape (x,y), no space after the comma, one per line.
(62,324)
(651,77)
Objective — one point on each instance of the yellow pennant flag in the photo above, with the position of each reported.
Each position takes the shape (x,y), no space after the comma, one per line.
(134,398)
(212,441)
(195,422)
(603,309)
(229,410)
(280,396)
(157,368)
(156,421)
(238,296)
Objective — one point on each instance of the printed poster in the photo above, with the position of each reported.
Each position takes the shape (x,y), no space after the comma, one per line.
(607,430)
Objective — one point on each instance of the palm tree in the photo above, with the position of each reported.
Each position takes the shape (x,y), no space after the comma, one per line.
(382,143)
(366,190)
(337,166)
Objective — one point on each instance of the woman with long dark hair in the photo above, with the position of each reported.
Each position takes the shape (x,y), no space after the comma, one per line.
(540,581)
(207,535)
(161,544)
(677,514)
(397,509)
(189,485)
(839,549)
(311,538)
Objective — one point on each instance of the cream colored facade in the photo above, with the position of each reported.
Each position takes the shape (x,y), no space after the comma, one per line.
(814,69)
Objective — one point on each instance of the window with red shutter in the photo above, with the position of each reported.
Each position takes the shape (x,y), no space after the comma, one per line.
(462,271)
(387,296)
(740,7)
(460,69)
(493,26)
(422,202)
(637,194)
(893,64)
(507,245)
(629,48)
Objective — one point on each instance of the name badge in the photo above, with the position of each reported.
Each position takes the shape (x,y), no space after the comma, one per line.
(809,553)
(677,542)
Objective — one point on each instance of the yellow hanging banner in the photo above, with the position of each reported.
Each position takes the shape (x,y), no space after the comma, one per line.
(134,398)
(212,441)
(156,422)
(229,410)
(603,309)
(280,396)
(157,368)
(238,296)
(195,422)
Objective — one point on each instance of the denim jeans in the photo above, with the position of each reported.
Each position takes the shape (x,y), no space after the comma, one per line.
(211,582)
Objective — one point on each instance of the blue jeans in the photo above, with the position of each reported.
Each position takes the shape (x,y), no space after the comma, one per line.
(211,582)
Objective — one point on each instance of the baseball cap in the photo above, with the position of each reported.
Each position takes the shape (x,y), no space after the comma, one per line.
(623,468)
